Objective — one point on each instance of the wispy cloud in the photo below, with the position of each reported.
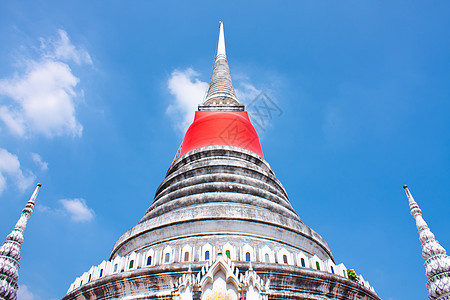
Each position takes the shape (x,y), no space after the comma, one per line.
(78,209)
(24,293)
(189,92)
(246,92)
(46,209)
(10,169)
(75,208)
(333,125)
(43,96)
(38,160)
(63,49)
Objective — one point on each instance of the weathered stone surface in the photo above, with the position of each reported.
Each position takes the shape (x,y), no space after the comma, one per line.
(437,262)
(10,252)
(226,190)
(285,282)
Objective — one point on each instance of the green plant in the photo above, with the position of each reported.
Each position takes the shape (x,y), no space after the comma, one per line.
(352,275)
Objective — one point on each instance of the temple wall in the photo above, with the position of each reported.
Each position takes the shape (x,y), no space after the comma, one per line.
(188,254)
(281,282)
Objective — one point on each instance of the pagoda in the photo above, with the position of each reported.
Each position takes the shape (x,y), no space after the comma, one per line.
(10,252)
(437,262)
(220,225)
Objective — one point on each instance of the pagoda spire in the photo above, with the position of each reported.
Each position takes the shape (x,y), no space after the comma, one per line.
(10,252)
(221,44)
(221,95)
(437,263)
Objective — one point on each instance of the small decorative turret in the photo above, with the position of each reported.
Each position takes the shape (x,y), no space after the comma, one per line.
(221,95)
(10,253)
(437,263)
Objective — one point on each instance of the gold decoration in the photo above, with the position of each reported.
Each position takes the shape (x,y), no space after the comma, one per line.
(218,295)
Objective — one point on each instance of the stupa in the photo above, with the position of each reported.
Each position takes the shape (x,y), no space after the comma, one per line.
(10,252)
(437,262)
(221,225)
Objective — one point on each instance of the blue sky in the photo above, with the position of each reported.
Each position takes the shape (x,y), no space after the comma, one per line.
(94,98)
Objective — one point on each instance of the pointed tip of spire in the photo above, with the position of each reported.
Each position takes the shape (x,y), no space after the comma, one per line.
(221,44)
(408,193)
(34,195)
(221,94)
(436,260)
(10,252)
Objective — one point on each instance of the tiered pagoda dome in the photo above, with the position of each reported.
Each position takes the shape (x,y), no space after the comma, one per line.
(220,225)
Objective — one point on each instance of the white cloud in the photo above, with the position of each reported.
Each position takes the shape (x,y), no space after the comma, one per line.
(44,101)
(63,49)
(78,210)
(10,167)
(38,159)
(246,92)
(24,293)
(13,120)
(189,92)
(44,208)
(43,97)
